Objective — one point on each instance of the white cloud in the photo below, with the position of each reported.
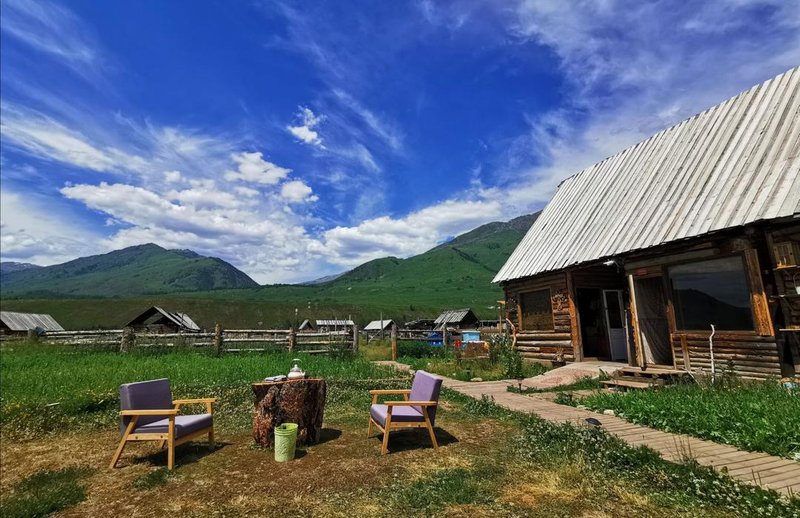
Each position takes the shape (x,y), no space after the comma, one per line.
(305,131)
(380,127)
(38,232)
(246,191)
(172,176)
(53,30)
(296,191)
(253,168)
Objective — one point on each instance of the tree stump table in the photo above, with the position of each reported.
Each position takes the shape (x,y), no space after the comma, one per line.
(293,401)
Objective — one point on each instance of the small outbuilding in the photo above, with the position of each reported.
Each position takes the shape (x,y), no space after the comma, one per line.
(13,323)
(306,325)
(378,327)
(456,319)
(421,323)
(158,320)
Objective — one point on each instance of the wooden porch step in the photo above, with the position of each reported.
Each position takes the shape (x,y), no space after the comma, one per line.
(627,384)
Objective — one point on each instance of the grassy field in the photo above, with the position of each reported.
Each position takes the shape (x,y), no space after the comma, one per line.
(491,462)
(752,416)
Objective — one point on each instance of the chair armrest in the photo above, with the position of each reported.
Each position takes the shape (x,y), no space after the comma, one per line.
(383,392)
(196,400)
(161,411)
(411,403)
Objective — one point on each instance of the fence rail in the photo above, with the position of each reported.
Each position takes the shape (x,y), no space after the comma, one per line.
(221,340)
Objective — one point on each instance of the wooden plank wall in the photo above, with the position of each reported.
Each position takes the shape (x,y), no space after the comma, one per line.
(544,345)
(785,302)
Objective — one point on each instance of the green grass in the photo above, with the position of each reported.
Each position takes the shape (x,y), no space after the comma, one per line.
(465,370)
(752,416)
(45,493)
(46,389)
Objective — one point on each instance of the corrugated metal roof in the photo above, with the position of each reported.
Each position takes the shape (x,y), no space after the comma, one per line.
(341,323)
(179,319)
(452,315)
(377,325)
(27,321)
(733,164)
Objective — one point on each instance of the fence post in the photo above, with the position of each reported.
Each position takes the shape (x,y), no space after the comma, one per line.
(394,342)
(292,339)
(218,341)
(444,336)
(128,338)
(355,338)
(33,336)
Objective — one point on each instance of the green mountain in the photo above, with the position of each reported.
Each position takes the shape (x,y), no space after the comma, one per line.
(137,270)
(457,273)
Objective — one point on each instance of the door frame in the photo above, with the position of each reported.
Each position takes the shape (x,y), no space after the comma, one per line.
(622,317)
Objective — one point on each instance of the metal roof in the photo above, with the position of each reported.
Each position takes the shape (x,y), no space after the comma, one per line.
(733,164)
(453,315)
(341,323)
(177,318)
(28,321)
(377,325)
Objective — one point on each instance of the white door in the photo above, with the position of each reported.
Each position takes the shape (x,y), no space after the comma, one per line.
(615,324)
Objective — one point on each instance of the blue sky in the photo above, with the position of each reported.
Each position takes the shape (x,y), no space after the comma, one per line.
(299,139)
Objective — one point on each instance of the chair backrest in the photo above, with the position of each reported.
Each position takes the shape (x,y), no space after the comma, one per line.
(144,395)
(426,387)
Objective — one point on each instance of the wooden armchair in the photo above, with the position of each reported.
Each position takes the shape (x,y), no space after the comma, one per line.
(416,410)
(148,413)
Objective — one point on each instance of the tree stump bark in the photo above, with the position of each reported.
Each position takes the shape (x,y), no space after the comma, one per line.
(295,401)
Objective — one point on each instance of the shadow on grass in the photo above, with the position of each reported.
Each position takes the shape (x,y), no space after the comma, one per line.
(184,454)
(415,439)
(328,434)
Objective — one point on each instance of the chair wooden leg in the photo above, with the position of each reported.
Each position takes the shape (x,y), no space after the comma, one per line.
(123,441)
(171,443)
(211,437)
(430,432)
(369,428)
(386,428)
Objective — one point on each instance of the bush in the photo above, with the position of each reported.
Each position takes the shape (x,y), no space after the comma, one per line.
(501,350)
(419,350)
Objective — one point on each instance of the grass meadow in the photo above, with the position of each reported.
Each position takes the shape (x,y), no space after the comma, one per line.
(59,428)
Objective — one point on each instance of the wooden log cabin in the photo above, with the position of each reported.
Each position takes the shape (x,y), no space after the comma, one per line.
(636,257)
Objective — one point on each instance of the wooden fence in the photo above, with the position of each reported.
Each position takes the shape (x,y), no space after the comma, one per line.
(221,340)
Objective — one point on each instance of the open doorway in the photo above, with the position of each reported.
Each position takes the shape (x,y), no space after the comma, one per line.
(651,314)
(594,335)
(615,325)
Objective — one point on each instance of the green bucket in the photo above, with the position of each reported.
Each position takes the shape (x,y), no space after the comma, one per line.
(285,441)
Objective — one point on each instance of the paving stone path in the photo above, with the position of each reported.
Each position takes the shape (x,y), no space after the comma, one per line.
(762,469)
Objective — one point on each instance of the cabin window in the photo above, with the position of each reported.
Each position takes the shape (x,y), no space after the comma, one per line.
(537,311)
(711,292)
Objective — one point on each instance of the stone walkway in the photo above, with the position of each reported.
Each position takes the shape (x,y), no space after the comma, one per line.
(761,469)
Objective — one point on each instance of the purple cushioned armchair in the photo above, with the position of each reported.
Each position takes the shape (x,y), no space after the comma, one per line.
(148,413)
(417,410)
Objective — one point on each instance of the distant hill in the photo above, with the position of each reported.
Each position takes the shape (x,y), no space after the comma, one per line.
(7,267)
(137,270)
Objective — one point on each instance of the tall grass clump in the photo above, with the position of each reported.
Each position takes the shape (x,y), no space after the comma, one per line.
(755,416)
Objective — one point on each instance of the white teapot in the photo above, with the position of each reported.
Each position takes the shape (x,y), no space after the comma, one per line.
(295,372)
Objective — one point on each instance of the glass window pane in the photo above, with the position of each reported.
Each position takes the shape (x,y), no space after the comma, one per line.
(537,311)
(711,292)
(614,311)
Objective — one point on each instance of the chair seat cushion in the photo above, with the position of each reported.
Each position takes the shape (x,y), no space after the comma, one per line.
(399,413)
(184,425)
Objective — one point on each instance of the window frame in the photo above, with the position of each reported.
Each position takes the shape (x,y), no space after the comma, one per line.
(748,282)
(521,297)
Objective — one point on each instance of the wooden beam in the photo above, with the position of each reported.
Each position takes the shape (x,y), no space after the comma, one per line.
(574,319)
(637,337)
(758,298)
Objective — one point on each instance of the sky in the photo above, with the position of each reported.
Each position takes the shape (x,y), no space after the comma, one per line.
(300,139)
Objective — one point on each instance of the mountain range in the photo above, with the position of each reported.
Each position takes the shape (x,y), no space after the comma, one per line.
(457,273)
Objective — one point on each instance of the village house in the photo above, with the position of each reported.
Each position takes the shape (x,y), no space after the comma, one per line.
(158,320)
(13,323)
(456,319)
(378,327)
(636,257)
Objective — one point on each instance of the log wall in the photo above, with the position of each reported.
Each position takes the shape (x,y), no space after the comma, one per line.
(543,345)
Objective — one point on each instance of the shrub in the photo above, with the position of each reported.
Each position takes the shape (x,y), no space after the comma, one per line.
(419,350)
